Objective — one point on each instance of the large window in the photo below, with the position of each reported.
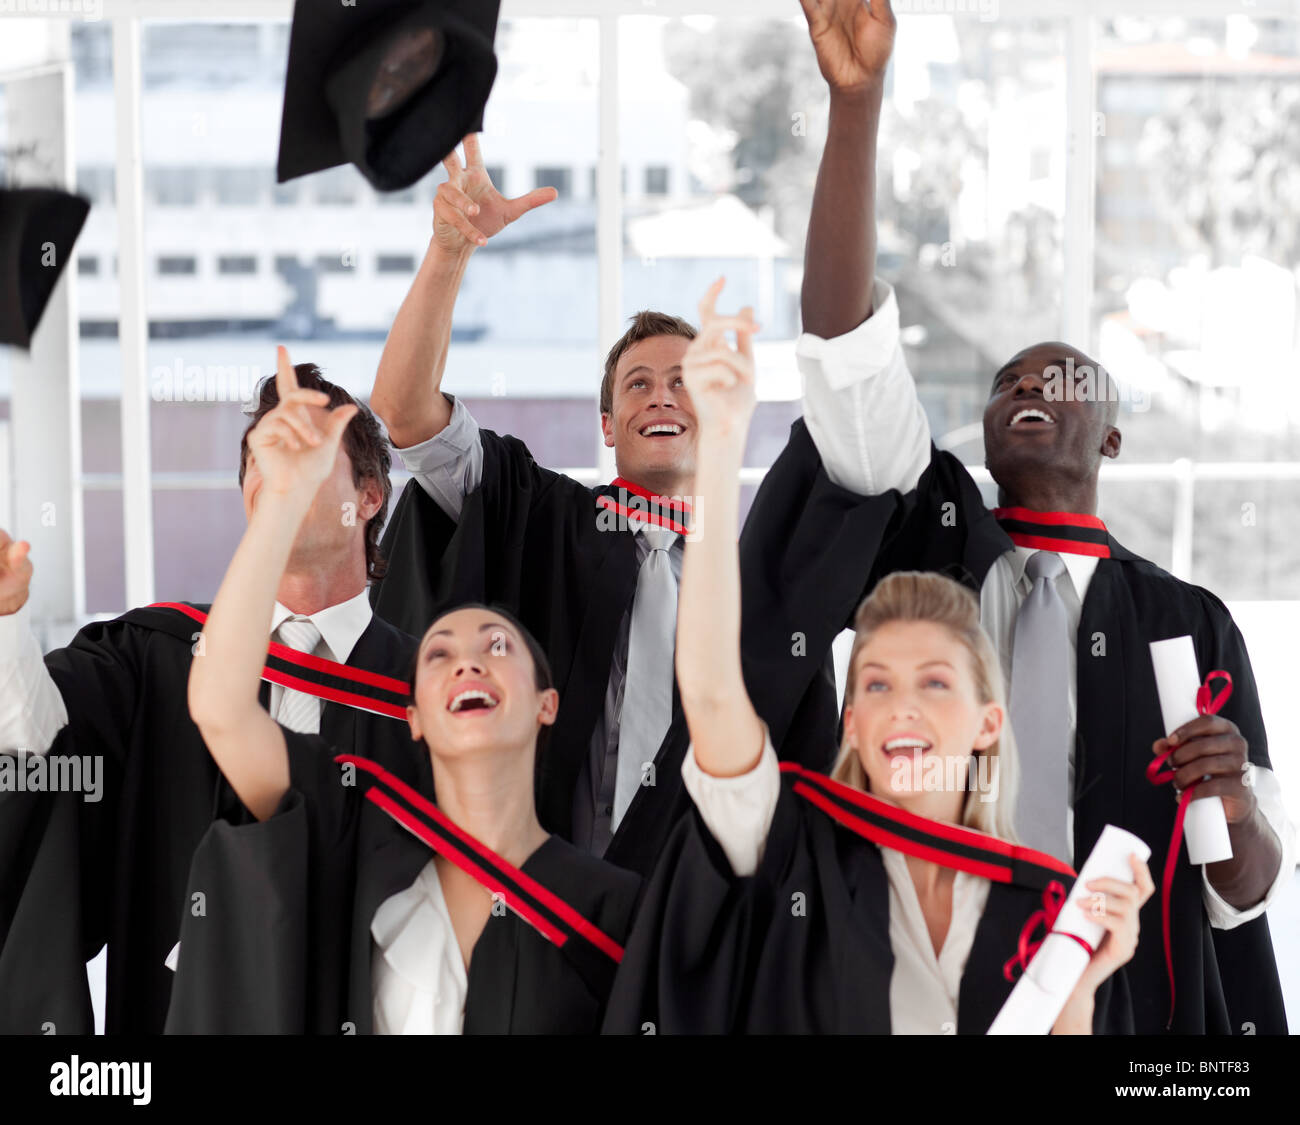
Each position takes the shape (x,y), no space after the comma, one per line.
(1194,248)
(1114,173)
(725,120)
(1197,259)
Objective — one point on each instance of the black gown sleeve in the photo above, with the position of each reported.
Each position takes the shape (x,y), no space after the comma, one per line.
(690,962)
(264,935)
(806,554)
(435,561)
(56,853)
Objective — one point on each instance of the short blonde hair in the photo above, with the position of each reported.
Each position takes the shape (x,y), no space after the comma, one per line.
(916,596)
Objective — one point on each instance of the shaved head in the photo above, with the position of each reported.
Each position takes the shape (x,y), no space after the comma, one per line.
(1048,423)
(1058,354)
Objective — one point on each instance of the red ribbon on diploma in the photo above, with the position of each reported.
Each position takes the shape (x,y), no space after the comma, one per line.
(1205,705)
(1053,900)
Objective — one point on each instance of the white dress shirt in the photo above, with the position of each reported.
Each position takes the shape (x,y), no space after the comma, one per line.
(340,628)
(32,710)
(924,986)
(902,433)
(417,975)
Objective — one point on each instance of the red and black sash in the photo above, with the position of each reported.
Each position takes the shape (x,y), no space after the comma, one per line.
(1065,532)
(963,849)
(665,511)
(541,908)
(312,675)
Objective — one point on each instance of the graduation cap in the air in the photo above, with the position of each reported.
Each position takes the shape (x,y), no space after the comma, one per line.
(38,228)
(389,85)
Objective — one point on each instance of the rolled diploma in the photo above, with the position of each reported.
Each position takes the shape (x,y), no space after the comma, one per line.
(1205,827)
(1055,969)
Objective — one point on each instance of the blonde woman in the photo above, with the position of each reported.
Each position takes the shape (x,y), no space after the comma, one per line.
(886,898)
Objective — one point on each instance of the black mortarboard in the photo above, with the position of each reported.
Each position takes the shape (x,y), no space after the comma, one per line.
(390,85)
(38,228)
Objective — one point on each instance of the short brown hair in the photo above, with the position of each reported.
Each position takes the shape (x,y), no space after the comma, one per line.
(644,325)
(364,440)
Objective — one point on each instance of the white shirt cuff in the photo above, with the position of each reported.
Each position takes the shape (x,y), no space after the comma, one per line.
(1222,914)
(860,352)
(737,810)
(32,711)
(860,404)
(449,465)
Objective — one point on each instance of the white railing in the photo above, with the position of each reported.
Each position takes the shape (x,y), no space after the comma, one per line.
(1184,473)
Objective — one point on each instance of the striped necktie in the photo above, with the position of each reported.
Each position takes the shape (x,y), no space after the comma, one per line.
(298,710)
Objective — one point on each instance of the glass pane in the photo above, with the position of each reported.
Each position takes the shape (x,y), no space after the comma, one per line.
(723,123)
(238,263)
(1198,248)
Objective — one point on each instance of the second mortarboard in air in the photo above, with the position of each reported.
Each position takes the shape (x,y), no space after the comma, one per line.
(38,228)
(388,85)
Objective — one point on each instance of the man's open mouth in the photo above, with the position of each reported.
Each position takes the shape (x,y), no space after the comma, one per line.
(661,430)
(1030,417)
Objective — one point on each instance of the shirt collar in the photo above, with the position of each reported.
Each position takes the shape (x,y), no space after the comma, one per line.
(340,625)
(1062,532)
(1079,567)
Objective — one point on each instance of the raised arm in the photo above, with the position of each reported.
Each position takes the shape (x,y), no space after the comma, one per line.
(725,729)
(294,448)
(853,40)
(467,211)
(859,400)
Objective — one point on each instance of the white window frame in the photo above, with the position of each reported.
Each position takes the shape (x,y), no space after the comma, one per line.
(1079,16)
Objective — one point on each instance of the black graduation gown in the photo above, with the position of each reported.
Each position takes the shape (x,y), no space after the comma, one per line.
(75,875)
(802,946)
(284,945)
(529,539)
(1224,979)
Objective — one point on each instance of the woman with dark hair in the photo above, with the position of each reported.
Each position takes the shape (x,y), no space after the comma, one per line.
(355,903)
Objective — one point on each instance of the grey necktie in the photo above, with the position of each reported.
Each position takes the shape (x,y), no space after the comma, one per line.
(648,686)
(1040,715)
(298,710)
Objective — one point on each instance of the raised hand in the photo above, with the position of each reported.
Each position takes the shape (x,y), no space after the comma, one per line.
(720,378)
(295,445)
(15,573)
(853,40)
(468,209)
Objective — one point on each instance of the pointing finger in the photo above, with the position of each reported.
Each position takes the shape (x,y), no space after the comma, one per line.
(708,303)
(286,378)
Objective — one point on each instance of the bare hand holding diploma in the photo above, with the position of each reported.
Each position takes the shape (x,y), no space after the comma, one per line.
(1063,970)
